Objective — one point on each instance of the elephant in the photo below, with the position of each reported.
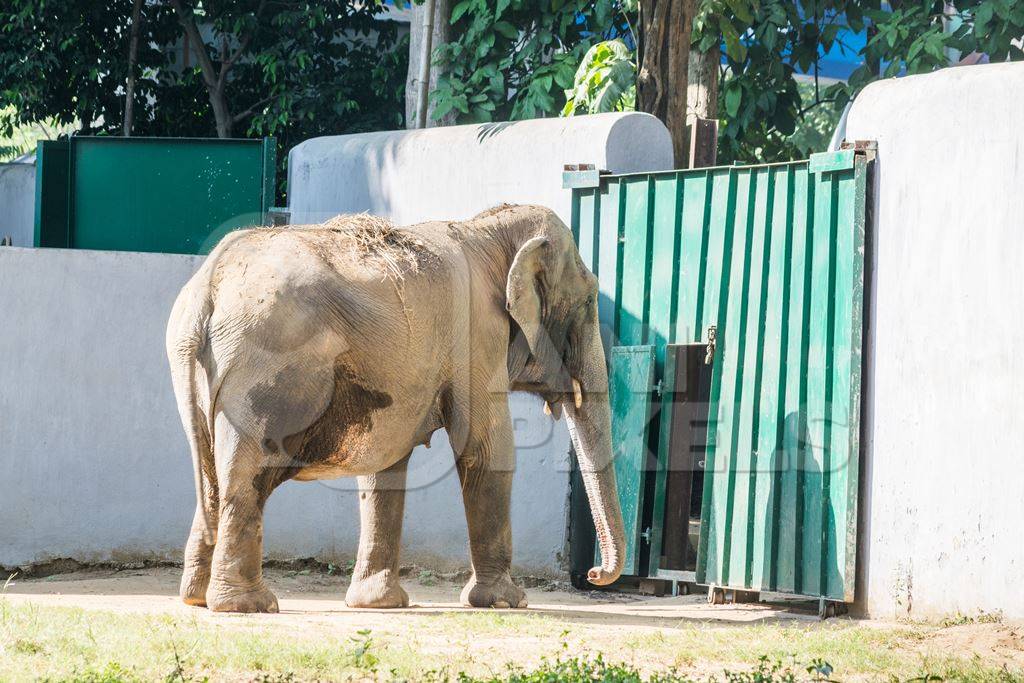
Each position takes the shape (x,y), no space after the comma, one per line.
(323,351)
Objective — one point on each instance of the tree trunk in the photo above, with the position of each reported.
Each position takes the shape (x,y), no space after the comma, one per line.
(214,80)
(702,108)
(442,33)
(665,27)
(221,113)
(129,86)
(702,84)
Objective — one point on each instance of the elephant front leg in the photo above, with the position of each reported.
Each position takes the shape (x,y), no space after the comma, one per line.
(381,506)
(486,477)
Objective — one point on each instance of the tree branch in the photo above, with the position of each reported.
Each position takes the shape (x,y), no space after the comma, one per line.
(243,44)
(251,110)
(188,23)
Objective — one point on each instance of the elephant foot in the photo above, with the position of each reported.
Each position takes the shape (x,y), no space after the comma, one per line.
(194,584)
(377,591)
(221,597)
(501,594)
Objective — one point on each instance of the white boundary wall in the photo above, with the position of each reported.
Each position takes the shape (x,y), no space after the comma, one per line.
(18,203)
(454,172)
(943,505)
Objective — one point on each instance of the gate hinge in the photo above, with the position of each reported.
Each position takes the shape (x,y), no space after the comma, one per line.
(709,358)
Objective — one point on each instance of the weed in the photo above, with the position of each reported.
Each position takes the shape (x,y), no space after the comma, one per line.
(362,658)
(982,617)
(427,578)
(26,647)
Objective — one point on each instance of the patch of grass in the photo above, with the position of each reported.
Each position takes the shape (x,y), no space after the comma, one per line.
(587,670)
(959,619)
(49,643)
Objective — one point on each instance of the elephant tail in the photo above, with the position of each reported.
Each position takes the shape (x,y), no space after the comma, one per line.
(186,339)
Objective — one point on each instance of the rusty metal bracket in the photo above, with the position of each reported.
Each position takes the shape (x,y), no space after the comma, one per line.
(581,175)
(709,358)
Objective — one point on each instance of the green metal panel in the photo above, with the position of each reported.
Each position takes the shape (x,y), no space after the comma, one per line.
(51,219)
(630,386)
(155,194)
(772,256)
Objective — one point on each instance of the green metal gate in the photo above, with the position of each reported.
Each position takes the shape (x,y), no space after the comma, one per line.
(176,195)
(762,266)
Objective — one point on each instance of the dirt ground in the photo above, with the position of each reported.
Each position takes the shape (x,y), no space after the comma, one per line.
(653,634)
(309,596)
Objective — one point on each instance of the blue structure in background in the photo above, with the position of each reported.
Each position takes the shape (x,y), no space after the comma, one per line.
(844,57)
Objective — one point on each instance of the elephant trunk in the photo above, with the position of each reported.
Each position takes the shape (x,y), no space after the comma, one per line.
(589,420)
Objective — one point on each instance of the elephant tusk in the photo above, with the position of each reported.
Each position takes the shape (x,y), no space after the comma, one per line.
(577,392)
(553,410)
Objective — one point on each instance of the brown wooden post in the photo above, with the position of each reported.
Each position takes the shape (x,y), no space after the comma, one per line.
(703,135)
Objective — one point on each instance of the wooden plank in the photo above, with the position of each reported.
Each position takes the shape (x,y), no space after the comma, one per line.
(703,134)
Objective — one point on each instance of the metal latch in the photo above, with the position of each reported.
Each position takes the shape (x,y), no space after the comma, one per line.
(646,535)
(709,358)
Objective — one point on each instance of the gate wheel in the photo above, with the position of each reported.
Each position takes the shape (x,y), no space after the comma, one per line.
(716,596)
(831,608)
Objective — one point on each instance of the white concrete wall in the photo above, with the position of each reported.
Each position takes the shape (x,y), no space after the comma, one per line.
(18,203)
(93,460)
(943,504)
(457,171)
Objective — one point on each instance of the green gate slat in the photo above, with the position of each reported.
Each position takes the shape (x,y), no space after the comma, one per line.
(631,380)
(772,256)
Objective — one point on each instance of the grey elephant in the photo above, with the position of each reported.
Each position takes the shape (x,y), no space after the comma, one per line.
(333,350)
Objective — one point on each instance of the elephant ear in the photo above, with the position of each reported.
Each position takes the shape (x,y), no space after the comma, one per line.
(523,295)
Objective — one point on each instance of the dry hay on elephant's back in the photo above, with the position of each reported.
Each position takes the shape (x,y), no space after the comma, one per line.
(376,237)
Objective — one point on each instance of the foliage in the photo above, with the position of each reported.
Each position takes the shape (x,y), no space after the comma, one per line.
(766,45)
(605,80)
(586,670)
(296,70)
(767,42)
(767,113)
(514,59)
(22,139)
(912,37)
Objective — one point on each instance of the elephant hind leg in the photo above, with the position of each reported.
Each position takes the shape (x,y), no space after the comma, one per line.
(244,483)
(381,507)
(195,578)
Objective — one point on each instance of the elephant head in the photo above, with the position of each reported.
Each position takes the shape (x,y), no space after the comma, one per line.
(555,351)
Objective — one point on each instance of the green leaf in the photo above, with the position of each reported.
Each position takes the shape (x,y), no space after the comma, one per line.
(506,29)
(459,10)
(733,98)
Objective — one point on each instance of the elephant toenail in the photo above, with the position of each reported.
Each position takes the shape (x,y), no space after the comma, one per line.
(500,604)
(522,603)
